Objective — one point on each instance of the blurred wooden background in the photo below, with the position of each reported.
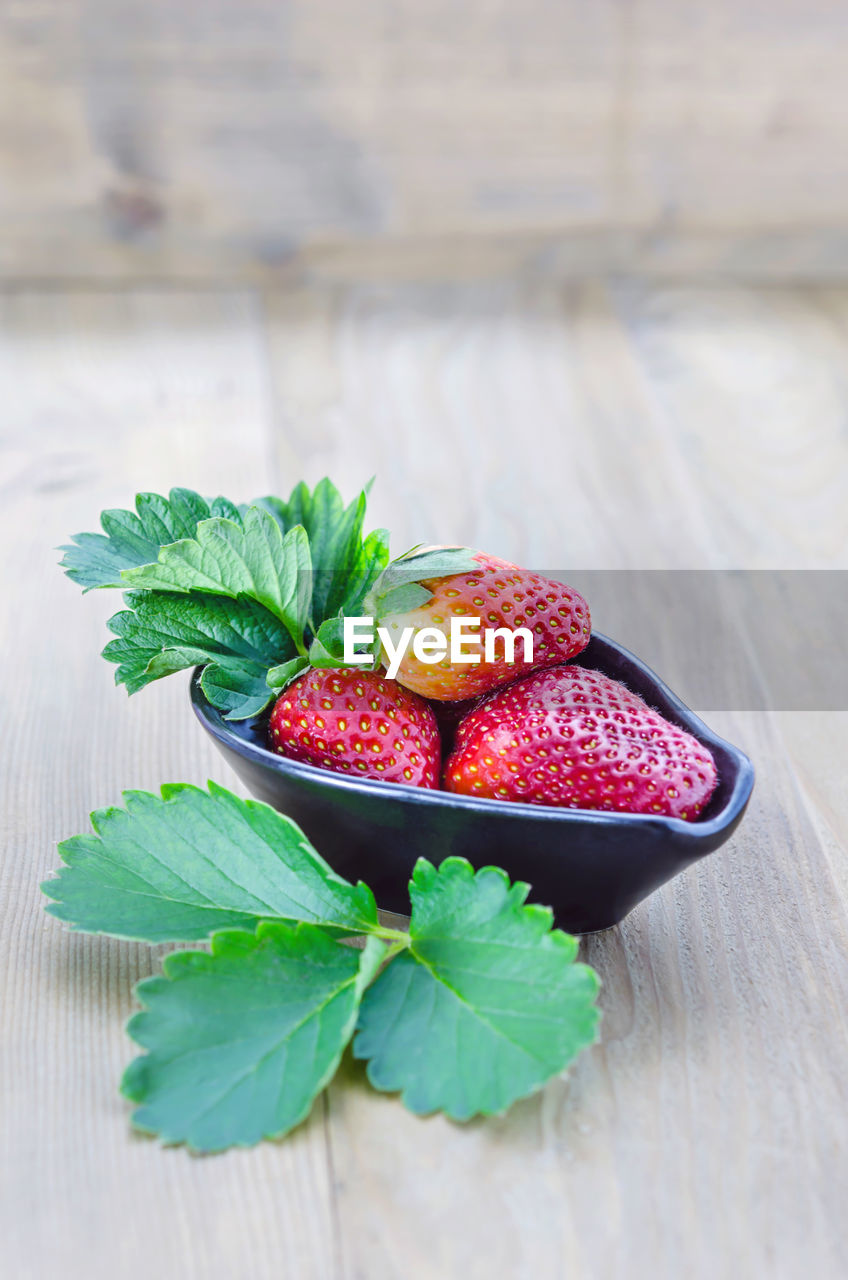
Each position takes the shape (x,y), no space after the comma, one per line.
(209,139)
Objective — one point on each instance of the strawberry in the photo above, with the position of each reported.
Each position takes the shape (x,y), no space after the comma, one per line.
(449,716)
(357,722)
(500,594)
(573,737)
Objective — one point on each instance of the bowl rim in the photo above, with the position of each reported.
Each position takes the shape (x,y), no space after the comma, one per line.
(213,721)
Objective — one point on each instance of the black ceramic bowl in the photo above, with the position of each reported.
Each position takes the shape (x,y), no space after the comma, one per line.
(591,867)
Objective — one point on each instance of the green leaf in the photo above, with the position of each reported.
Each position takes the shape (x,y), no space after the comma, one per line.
(433,562)
(344,565)
(241,1041)
(258,558)
(327,649)
(396,590)
(238,692)
(485,1005)
(371,561)
(335,535)
(403,599)
(278,677)
(251,559)
(133,538)
(178,867)
(161,633)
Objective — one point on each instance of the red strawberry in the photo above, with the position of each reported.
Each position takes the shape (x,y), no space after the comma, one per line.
(501,595)
(357,722)
(573,737)
(449,716)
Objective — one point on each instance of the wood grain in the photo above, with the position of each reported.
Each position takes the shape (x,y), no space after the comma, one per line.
(260,138)
(108,394)
(706,1134)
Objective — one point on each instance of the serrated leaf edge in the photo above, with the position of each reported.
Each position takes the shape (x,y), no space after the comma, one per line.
(369,920)
(370,958)
(424,875)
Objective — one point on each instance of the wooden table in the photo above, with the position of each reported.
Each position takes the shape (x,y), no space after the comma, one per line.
(598,426)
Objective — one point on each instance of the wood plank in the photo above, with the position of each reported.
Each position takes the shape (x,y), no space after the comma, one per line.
(104,395)
(498,414)
(705,1135)
(686,1142)
(520,419)
(726,107)
(751,385)
(253,138)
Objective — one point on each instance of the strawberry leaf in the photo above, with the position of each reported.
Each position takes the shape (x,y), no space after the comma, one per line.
(237,692)
(478,1005)
(161,633)
(396,590)
(344,565)
(327,649)
(421,564)
(484,1006)
(365,569)
(251,559)
(241,1041)
(403,598)
(272,571)
(178,867)
(133,538)
(278,677)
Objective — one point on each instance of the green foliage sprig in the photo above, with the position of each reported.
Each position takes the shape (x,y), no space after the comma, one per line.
(478,1004)
(241,591)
